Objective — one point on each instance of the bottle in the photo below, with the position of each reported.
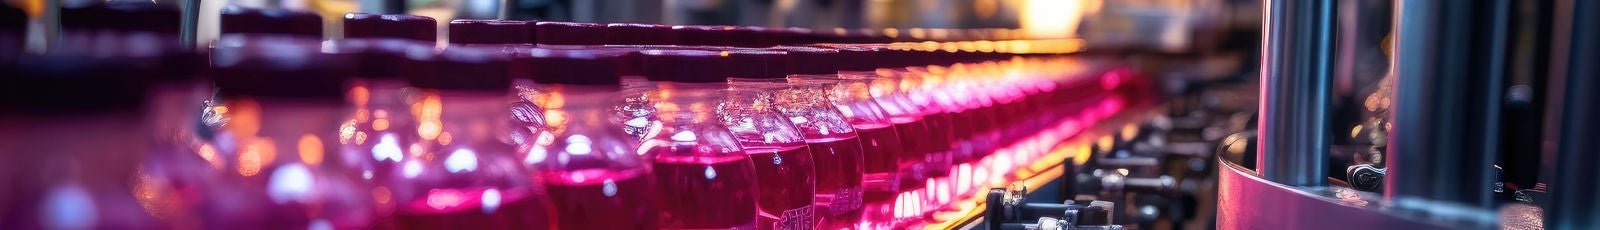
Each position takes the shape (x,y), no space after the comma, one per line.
(784,166)
(595,175)
(880,142)
(834,144)
(456,169)
(75,133)
(704,179)
(277,149)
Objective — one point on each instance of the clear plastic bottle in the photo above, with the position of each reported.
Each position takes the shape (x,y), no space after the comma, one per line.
(596,177)
(835,145)
(880,142)
(277,148)
(704,179)
(74,132)
(784,166)
(451,167)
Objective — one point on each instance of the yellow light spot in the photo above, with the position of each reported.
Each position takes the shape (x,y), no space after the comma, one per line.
(445,138)
(1081,154)
(310,149)
(1124,172)
(724,53)
(1105,143)
(555,117)
(1129,132)
(380,124)
(891,32)
(1042,19)
(1355,131)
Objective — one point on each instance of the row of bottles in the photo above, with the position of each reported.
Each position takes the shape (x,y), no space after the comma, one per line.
(385,129)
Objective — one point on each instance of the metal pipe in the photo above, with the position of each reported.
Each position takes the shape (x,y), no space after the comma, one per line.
(1297,73)
(1575,197)
(1449,70)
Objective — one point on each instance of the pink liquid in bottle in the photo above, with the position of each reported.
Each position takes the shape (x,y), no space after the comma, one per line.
(914,136)
(478,208)
(839,172)
(705,191)
(599,198)
(787,186)
(882,148)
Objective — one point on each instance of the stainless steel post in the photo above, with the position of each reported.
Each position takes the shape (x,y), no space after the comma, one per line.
(1296,79)
(1449,71)
(1575,195)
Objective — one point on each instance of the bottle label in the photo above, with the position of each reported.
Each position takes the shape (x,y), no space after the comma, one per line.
(798,218)
(845,200)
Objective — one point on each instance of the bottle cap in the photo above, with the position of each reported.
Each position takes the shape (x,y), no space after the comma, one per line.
(238,19)
(491,31)
(278,66)
(571,33)
(457,68)
(406,26)
(637,34)
(682,65)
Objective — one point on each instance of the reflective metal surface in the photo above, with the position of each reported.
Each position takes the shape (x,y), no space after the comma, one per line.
(1448,69)
(1296,76)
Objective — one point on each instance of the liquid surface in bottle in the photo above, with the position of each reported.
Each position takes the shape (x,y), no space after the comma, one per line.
(600,198)
(697,191)
(474,208)
(787,186)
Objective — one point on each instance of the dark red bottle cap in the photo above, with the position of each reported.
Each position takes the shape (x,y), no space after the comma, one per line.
(683,65)
(575,67)
(705,35)
(374,58)
(798,36)
(69,84)
(122,15)
(362,25)
(491,31)
(245,20)
(571,33)
(759,37)
(458,68)
(278,66)
(638,34)
(811,60)
(757,63)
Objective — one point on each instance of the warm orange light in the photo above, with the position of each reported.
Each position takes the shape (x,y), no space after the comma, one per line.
(381,194)
(244,117)
(310,149)
(256,153)
(380,124)
(359,95)
(445,138)
(209,153)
